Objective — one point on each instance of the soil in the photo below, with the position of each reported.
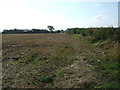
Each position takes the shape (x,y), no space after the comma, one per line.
(69,61)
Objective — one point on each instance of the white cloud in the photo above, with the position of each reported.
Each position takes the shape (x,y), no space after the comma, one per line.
(97,18)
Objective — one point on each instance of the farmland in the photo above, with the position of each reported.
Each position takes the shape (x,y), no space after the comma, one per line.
(50,61)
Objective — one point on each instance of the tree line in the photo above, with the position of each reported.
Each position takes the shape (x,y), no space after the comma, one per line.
(14,31)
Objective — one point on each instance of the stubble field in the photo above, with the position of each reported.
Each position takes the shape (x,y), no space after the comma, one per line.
(48,61)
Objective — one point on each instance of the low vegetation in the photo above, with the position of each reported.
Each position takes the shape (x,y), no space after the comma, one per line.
(107,39)
(45,79)
(79,58)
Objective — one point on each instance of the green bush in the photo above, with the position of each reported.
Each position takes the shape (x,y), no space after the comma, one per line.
(97,33)
(116,35)
(45,79)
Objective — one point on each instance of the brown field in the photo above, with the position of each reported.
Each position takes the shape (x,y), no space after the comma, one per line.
(48,61)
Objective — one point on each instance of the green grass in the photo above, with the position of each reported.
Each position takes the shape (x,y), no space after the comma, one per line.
(87,39)
(75,36)
(109,68)
(113,84)
(109,74)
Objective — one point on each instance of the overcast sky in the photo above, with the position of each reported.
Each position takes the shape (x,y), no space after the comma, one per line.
(62,14)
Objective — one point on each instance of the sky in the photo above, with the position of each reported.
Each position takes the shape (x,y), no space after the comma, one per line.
(61,14)
(119,14)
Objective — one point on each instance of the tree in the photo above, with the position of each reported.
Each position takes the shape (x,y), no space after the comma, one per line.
(51,28)
(15,29)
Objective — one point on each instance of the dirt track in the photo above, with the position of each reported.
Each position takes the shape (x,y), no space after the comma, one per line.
(68,60)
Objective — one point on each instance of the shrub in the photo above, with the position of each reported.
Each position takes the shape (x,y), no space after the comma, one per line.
(97,33)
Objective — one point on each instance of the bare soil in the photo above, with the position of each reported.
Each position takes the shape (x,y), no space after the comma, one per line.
(66,59)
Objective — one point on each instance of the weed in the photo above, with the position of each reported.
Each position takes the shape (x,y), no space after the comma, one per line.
(109,85)
(109,73)
(58,57)
(45,79)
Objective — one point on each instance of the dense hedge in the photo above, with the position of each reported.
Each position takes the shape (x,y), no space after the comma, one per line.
(97,33)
